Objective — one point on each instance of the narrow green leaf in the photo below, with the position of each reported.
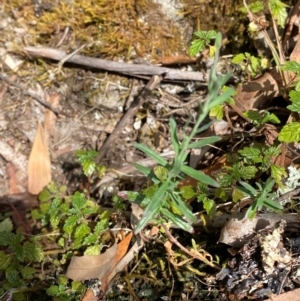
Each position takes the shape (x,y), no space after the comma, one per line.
(269,185)
(178,220)
(204,127)
(147,172)
(198,175)
(154,206)
(251,212)
(275,206)
(248,189)
(221,98)
(203,142)
(222,80)
(182,206)
(149,152)
(174,137)
(178,161)
(143,169)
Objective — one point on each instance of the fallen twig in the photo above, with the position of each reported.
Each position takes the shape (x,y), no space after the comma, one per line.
(136,70)
(195,255)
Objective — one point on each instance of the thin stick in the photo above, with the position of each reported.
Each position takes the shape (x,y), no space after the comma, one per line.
(192,254)
(136,70)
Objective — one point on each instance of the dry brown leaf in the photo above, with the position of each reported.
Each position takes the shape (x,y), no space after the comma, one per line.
(215,167)
(39,165)
(271,134)
(121,251)
(97,266)
(91,267)
(257,93)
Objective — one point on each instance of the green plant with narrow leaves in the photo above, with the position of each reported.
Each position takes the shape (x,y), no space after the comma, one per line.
(261,197)
(164,202)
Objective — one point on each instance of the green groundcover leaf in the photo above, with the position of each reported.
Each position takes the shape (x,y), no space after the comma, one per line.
(290,132)
(33,251)
(5,260)
(6,225)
